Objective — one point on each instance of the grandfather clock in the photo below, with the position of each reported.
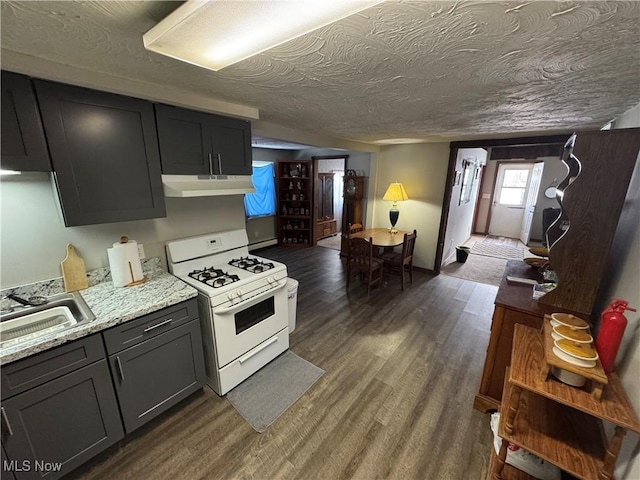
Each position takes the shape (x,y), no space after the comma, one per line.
(353,195)
(352,212)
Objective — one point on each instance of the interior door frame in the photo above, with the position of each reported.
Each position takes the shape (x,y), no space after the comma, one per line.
(315,159)
(489,145)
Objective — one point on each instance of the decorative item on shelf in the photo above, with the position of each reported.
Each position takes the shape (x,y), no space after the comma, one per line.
(550,191)
(540,251)
(304,170)
(395,193)
(291,185)
(535,262)
(569,356)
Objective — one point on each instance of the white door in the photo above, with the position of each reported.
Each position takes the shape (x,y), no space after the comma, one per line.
(530,204)
(509,199)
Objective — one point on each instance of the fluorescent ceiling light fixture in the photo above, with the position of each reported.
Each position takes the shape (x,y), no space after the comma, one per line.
(9,172)
(218,33)
(399,141)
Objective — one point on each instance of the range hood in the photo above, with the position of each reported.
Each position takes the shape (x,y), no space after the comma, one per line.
(206,185)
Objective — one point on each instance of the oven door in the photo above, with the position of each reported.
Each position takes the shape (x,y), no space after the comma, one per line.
(240,327)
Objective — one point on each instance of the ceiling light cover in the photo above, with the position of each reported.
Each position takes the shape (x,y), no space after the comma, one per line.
(215,34)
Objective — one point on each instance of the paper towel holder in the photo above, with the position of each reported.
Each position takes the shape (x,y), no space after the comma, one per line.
(125,239)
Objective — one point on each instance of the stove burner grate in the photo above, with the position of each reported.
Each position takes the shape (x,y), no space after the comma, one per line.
(253,265)
(214,277)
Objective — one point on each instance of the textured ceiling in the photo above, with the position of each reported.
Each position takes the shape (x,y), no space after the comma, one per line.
(413,69)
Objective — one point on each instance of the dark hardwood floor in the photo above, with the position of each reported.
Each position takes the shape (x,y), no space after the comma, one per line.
(396,400)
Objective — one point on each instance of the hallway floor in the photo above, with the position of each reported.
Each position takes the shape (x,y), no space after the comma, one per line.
(486,268)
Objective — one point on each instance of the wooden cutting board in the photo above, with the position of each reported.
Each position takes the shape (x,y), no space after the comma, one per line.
(73,271)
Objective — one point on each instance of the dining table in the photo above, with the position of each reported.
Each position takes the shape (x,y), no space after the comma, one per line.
(381,237)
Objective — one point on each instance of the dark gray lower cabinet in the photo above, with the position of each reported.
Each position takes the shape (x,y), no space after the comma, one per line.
(6,474)
(156,361)
(53,428)
(59,407)
(157,373)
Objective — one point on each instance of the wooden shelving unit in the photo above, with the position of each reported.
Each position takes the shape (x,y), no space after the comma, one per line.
(294,186)
(559,423)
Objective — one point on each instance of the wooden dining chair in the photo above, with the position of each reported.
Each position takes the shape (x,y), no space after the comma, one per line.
(355,227)
(400,261)
(361,262)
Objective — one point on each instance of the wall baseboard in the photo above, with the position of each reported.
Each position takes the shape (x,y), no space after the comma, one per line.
(263,244)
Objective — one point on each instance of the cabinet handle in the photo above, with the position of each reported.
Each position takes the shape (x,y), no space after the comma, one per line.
(6,422)
(210,165)
(119,367)
(219,164)
(158,325)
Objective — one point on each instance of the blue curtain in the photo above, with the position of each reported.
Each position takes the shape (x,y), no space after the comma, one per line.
(263,202)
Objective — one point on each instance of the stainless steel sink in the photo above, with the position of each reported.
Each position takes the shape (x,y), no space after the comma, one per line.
(60,313)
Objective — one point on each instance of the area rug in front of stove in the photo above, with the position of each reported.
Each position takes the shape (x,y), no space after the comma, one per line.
(269,392)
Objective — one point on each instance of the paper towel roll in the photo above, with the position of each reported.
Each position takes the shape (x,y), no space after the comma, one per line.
(124,262)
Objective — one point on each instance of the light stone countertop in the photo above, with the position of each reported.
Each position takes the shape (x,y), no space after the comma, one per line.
(111,306)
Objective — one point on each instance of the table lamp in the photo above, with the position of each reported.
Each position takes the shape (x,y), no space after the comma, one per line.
(395,193)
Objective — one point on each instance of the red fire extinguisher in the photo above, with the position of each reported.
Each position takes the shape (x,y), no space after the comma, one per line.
(612,325)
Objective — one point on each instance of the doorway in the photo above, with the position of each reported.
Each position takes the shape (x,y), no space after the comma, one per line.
(526,148)
(328,185)
(509,199)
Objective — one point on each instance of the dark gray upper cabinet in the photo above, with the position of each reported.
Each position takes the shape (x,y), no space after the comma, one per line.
(104,150)
(23,144)
(196,143)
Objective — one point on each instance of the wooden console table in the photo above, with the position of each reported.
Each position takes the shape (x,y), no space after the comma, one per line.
(513,305)
(558,423)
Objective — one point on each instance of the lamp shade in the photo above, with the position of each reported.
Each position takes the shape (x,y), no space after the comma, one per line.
(396,193)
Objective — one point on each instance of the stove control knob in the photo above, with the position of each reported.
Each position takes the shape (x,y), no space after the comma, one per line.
(239,292)
(230,295)
(271,279)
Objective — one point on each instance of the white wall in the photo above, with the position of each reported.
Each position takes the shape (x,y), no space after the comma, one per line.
(33,237)
(460,218)
(624,283)
(422,170)
(553,169)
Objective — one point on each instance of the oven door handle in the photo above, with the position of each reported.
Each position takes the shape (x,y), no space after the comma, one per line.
(253,353)
(240,306)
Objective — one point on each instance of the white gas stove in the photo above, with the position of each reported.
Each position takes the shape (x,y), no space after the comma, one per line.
(242,303)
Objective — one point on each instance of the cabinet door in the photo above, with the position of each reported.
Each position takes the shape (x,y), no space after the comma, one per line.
(61,424)
(185,145)
(156,374)
(104,150)
(231,141)
(23,143)
(6,473)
